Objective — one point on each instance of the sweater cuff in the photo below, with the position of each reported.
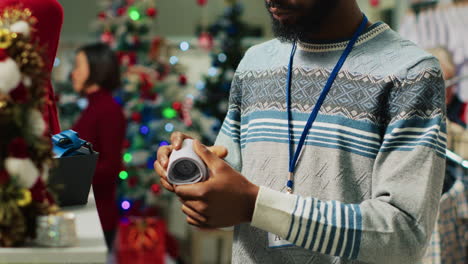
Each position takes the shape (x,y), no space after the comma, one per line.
(273,211)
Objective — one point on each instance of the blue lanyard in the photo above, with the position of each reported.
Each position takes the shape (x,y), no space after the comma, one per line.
(293,156)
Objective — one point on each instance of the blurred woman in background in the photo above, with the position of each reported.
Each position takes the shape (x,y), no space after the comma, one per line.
(96,74)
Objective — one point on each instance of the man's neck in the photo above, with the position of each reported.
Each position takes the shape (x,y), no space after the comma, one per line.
(340,24)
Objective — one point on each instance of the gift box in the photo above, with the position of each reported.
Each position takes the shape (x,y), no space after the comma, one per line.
(141,240)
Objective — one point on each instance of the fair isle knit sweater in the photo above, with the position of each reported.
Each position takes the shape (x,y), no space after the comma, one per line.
(369,178)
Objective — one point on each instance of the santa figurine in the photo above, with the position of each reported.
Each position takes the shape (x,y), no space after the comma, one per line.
(49,15)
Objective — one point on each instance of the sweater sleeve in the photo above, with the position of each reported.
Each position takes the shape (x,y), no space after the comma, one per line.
(395,225)
(229,135)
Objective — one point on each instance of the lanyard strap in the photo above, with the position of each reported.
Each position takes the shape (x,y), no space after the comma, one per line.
(293,156)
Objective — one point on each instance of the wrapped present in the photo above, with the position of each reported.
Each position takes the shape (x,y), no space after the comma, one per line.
(141,240)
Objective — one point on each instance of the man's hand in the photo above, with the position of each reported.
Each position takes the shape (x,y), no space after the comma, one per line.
(176,143)
(227,198)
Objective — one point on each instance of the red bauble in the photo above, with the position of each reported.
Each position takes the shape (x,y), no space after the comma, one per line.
(132,182)
(205,40)
(151,12)
(20,94)
(107,38)
(121,11)
(374,3)
(3,55)
(39,192)
(136,117)
(156,189)
(102,15)
(177,106)
(202,2)
(182,79)
(18,148)
(4,177)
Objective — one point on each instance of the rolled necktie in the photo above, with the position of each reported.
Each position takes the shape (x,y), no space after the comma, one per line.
(185,167)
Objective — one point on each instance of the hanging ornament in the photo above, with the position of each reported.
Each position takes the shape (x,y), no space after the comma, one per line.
(374,3)
(20,94)
(183,79)
(121,11)
(108,38)
(26,198)
(151,12)
(202,2)
(4,177)
(136,117)
(102,15)
(205,40)
(186,108)
(5,38)
(132,181)
(177,106)
(156,189)
(18,148)
(21,27)
(10,74)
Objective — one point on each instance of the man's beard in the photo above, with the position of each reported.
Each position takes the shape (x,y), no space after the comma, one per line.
(310,22)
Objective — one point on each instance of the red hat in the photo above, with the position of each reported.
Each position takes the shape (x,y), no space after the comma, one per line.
(49,14)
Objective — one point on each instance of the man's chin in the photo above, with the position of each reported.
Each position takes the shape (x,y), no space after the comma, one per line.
(285,31)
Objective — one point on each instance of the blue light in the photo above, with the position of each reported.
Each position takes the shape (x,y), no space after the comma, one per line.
(144,130)
(164,143)
(200,85)
(82,103)
(184,46)
(173,60)
(190,96)
(212,71)
(222,57)
(125,205)
(56,62)
(169,127)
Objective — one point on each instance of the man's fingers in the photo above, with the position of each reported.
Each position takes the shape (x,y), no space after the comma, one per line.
(167,185)
(194,214)
(196,223)
(160,170)
(219,151)
(177,138)
(163,155)
(191,192)
(162,174)
(206,155)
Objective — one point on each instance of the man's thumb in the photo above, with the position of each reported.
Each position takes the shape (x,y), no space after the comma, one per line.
(219,151)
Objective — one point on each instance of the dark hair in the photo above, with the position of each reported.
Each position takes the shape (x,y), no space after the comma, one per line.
(104,67)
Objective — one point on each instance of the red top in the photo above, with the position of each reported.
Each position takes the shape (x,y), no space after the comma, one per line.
(49,14)
(103,124)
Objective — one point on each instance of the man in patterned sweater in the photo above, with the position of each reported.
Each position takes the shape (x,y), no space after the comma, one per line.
(367,183)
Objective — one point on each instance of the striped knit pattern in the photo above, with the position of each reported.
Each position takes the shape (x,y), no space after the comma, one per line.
(330,228)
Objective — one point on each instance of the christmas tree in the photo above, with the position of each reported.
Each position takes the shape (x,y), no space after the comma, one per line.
(214,87)
(155,96)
